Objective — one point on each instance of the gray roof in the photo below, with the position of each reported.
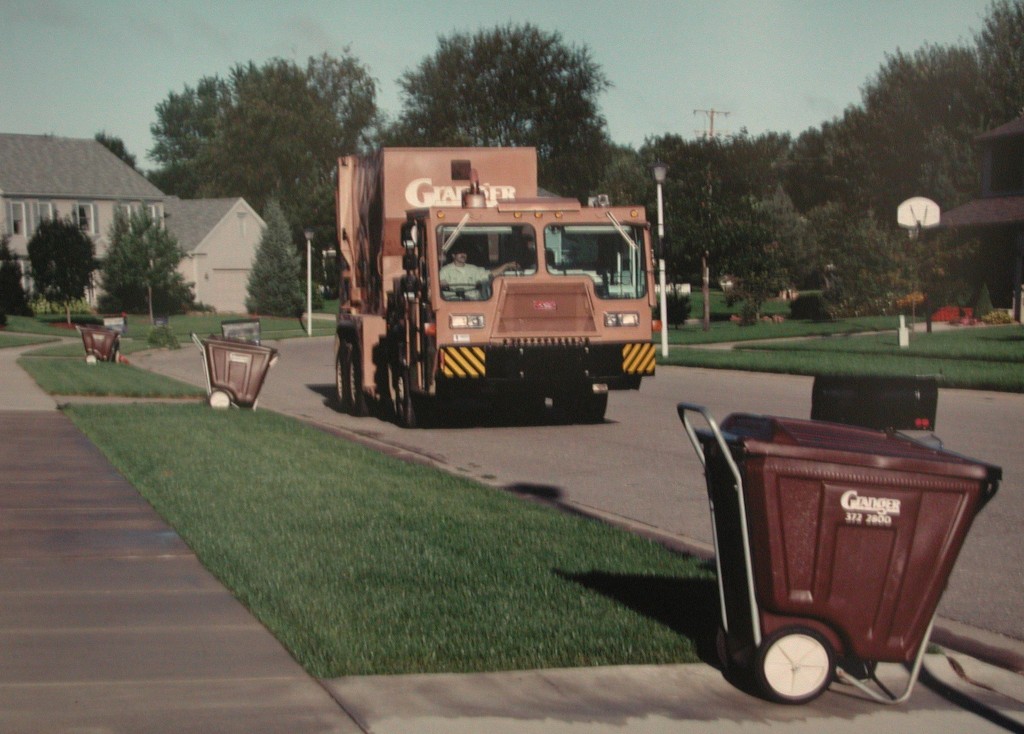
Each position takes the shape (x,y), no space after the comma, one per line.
(47,166)
(190,220)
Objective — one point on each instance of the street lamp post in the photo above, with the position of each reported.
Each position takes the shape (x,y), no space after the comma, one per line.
(309,281)
(660,170)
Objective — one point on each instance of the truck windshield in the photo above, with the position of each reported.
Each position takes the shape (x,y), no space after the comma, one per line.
(614,262)
(470,256)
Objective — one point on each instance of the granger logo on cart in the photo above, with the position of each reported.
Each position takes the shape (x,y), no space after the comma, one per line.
(869,510)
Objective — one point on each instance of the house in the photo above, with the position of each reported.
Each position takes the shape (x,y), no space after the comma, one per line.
(44,176)
(219,238)
(997,217)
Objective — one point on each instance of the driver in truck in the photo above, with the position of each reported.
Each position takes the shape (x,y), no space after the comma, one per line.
(464,276)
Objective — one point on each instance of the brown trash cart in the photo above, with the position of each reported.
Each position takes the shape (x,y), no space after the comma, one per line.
(833,544)
(101,344)
(235,370)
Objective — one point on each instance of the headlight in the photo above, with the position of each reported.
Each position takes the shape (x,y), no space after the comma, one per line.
(630,318)
(466,320)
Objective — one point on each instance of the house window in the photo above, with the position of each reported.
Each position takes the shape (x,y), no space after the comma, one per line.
(154,213)
(38,211)
(16,223)
(85,217)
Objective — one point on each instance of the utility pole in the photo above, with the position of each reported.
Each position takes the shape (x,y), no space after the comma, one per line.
(709,131)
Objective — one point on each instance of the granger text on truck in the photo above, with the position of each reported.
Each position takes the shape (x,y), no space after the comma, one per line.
(459,281)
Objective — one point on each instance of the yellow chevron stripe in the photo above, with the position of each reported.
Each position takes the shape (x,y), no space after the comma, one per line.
(638,359)
(464,362)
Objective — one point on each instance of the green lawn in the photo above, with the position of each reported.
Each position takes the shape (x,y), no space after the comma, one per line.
(980,358)
(8,340)
(271,327)
(66,376)
(362,564)
(725,331)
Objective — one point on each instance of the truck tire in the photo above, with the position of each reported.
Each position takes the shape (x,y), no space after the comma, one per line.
(582,406)
(348,379)
(405,407)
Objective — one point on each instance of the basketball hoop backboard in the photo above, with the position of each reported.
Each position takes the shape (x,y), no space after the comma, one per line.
(918,213)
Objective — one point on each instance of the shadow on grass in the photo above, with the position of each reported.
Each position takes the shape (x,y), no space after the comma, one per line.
(688,607)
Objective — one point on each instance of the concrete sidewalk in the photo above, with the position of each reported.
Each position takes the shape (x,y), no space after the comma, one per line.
(109,623)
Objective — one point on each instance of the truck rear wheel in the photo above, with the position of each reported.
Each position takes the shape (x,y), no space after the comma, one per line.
(348,379)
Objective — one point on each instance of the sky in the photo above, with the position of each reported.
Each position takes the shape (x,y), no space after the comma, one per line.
(73,68)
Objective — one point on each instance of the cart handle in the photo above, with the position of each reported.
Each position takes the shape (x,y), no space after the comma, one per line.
(755,619)
(682,409)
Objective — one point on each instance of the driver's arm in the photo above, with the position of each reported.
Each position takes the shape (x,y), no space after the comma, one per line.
(502,268)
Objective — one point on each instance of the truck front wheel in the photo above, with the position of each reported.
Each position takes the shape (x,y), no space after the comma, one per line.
(405,409)
(582,406)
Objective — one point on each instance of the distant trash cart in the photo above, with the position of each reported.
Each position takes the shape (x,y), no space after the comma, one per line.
(245,329)
(833,546)
(235,370)
(101,344)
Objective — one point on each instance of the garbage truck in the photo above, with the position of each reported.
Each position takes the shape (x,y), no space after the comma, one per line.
(461,279)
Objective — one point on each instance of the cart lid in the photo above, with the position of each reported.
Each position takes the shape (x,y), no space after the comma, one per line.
(840,443)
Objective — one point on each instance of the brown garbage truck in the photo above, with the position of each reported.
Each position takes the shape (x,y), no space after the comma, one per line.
(460,280)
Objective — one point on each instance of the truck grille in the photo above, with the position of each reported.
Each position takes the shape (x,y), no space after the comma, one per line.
(545,308)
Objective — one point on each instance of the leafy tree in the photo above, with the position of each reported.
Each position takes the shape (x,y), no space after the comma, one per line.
(267,132)
(13,300)
(514,85)
(708,192)
(753,254)
(116,146)
(186,123)
(275,282)
(1001,58)
(140,270)
(865,263)
(63,259)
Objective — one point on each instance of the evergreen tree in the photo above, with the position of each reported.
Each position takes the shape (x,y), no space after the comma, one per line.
(275,282)
(13,301)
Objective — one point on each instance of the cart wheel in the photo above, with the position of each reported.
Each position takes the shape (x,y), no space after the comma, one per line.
(794,665)
(722,649)
(90,359)
(219,399)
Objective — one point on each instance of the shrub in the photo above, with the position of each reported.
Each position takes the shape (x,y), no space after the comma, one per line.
(3,319)
(983,306)
(678,307)
(997,318)
(40,306)
(161,337)
(809,307)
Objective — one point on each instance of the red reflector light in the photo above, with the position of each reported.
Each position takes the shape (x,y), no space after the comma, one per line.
(656,326)
(430,328)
